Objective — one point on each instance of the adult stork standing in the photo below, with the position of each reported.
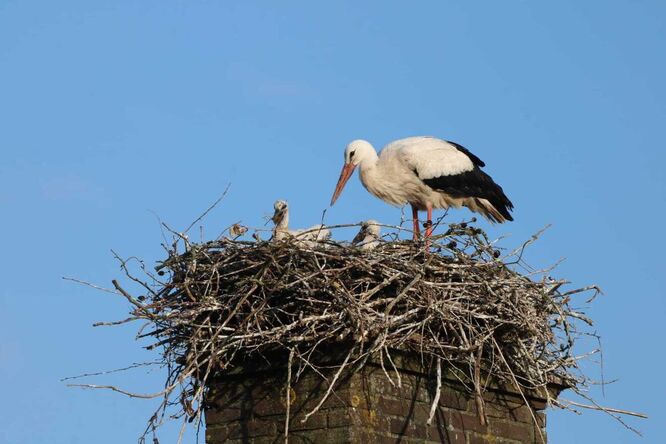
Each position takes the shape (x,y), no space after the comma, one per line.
(427,173)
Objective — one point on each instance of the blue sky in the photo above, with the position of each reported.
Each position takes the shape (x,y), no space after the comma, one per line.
(111,112)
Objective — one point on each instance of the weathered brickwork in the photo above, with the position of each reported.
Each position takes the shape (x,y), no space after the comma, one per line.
(366,407)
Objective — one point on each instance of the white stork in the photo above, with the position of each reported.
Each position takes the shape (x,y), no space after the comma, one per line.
(427,173)
(368,236)
(308,237)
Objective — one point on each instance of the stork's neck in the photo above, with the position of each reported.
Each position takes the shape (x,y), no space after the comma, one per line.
(368,169)
(368,161)
(383,178)
(283,223)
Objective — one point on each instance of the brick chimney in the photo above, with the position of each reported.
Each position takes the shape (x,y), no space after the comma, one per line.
(250,405)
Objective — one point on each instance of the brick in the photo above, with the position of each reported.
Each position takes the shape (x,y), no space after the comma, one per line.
(381,385)
(371,419)
(398,426)
(380,439)
(308,401)
(463,421)
(513,430)
(419,431)
(316,421)
(441,434)
(215,435)
(254,428)
(267,440)
(223,416)
(477,438)
(419,390)
(339,435)
(359,435)
(396,407)
(340,418)
(420,412)
(515,412)
(454,399)
(268,407)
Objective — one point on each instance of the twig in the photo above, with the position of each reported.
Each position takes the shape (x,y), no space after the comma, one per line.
(330,387)
(438,392)
(287,416)
(224,193)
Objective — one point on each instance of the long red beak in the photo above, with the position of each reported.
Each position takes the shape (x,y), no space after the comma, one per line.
(345,174)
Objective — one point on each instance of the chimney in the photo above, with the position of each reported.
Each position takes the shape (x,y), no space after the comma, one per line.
(371,404)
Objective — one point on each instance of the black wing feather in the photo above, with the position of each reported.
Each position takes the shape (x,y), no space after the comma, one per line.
(473,184)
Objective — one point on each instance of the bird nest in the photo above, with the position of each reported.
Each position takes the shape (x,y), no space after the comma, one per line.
(458,301)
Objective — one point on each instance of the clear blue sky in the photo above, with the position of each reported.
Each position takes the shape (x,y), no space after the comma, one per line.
(111,110)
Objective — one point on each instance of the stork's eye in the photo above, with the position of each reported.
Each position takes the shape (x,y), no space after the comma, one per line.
(351,154)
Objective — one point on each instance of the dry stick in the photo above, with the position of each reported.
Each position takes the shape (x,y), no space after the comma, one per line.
(520,390)
(520,250)
(401,295)
(286,419)
(377,288)
(130,367)
(330,387)
(607,409)
(395,369)
(128,296)
(198,397)
(478,398)
(112,323)
(167,390)
(96,287)
(224,193)
(116,389)
(438,392)
(381,362)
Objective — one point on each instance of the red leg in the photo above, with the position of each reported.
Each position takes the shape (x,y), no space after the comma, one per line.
(428,232)
(415,220)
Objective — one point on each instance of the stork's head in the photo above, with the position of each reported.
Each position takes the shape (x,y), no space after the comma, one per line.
(370,230)
(355,153)
(280,207)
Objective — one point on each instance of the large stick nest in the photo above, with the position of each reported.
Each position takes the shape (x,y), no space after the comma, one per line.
(461,301)
(227,297)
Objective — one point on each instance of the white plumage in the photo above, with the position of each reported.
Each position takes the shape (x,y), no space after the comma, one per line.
(431,157)
(307,237)
(368,236)
(427,173)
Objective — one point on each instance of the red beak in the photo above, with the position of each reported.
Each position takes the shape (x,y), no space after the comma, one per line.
(345,174)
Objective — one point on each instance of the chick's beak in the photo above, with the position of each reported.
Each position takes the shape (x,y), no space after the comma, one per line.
(345,174)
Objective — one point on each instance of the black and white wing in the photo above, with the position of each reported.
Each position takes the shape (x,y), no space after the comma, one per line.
(452,169)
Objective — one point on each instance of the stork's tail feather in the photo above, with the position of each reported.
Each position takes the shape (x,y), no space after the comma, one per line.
(497,211)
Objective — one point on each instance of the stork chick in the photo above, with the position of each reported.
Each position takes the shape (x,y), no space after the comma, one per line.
(308,237)
(368,236)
